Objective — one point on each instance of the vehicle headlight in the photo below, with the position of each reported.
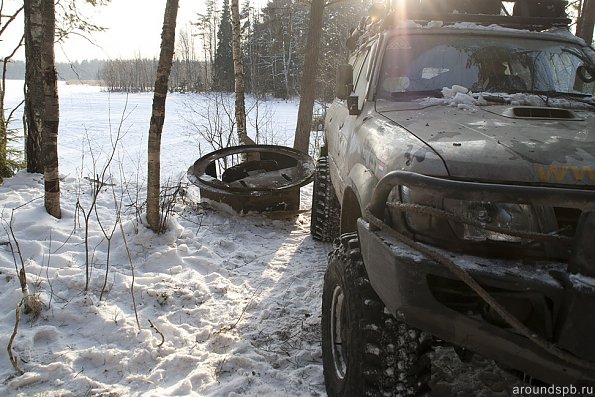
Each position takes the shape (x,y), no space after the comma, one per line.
(511,216)
(417,222)
(517,217)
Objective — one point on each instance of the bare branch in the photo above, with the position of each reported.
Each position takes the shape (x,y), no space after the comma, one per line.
(14,110)
(12,18)
(132,271)
(158,332)
(13,359)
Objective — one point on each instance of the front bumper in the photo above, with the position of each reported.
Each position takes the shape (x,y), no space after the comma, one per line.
(556,305)
(400,276)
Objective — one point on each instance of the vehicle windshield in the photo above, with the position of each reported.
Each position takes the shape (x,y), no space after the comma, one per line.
(419,65)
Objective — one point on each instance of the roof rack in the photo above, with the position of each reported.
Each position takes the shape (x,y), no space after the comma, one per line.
(545,14)
(523,22)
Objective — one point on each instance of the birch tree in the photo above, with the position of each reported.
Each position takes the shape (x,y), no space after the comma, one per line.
(33,84)
(39,40)
(51,112)
(238,67)
(168,38)
(41,99)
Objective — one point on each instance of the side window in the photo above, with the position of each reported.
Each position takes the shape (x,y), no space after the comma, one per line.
(362,80)
(358,64)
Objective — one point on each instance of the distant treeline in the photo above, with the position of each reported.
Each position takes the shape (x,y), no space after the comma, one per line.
(84,70)
(129,75)
(138,75)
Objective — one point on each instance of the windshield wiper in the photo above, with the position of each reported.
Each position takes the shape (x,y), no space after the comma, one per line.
(575,96)
(406,95)
(496,98)
(557,94)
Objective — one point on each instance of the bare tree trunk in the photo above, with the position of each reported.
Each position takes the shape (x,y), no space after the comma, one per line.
(310,70)
(51,112)
(34,84)
(168,37)
(238,69)
(586,21)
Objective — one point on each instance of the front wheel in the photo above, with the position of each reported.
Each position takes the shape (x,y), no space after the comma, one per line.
(365,350)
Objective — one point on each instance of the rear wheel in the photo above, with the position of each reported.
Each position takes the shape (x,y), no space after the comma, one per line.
(365,350)
(325,218)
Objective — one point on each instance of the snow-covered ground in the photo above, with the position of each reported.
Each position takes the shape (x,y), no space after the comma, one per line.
(235,298)
(220,305)
(233,301)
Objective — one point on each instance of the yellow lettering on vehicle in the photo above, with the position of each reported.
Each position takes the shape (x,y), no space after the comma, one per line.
(580,173)
(559,173)
(551,172)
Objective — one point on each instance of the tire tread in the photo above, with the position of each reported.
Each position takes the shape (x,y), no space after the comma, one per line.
(325,217)
(386,356)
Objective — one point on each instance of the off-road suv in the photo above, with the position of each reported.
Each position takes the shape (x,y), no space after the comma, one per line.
(459,172)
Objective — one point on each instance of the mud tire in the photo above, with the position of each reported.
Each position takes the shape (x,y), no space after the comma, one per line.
(325,218)
(365,350)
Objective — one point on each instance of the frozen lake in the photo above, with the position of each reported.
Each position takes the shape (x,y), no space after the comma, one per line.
(90,119)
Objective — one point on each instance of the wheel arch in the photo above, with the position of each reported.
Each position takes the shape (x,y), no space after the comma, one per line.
(350,211)
(356,196)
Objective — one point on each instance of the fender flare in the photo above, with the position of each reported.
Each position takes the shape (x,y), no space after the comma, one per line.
(357,195)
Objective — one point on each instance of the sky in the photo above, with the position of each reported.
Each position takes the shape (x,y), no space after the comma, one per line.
(134,27)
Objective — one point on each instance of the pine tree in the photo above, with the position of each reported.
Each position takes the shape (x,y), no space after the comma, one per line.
(275,45)
(223,65)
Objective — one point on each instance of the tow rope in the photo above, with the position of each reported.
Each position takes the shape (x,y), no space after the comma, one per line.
(464,276)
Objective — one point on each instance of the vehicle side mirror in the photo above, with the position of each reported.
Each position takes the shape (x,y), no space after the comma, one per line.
(353,105)
(586,74)
(344,84)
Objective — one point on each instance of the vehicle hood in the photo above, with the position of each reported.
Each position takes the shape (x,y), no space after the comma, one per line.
(491,144)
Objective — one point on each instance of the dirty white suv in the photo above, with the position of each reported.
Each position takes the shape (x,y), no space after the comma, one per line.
(459,172)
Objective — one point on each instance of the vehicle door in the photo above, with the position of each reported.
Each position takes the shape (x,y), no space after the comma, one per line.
(341,124)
